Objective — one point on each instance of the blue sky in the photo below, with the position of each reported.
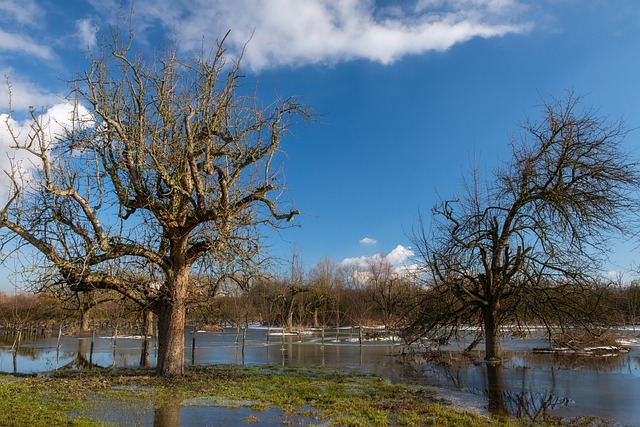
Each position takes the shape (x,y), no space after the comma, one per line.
(409,92)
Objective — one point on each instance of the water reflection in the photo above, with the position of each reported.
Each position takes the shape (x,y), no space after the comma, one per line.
(529,385)
(82,359)
(168,412)
(495,390)
(525,404)
(536,386)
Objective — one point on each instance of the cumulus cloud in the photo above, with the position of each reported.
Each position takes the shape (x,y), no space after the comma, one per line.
(293,32)
(368,241)
(400,258)
(614,275)
(54,120)
(10,158)
(24,94)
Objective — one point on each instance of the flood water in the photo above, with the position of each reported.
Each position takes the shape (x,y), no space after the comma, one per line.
(529,385)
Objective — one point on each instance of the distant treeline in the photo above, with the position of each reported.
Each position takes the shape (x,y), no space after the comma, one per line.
(327,297)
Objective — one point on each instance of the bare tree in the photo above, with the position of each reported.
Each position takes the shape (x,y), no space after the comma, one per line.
(358,304)
(171,166)
(266,296)
(389,289)
(325,292)
(531,239)
(295,287)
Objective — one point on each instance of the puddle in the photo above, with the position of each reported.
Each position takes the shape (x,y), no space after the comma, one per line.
(193,412)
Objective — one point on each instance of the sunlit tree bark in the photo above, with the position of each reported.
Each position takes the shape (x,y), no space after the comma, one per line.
(164,166)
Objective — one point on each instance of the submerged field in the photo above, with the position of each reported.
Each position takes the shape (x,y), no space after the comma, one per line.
(533,386)
(230,395)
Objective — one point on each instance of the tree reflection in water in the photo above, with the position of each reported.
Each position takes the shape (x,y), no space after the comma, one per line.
(168,411)
(495,391)
(81,361)
(503,397)
(522,404)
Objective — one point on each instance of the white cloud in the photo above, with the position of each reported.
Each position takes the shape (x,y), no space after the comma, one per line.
(54,120)
(614,275)
(293,32)
(368,241)
(10,158)
(24,94)
(86,33)
(360,262)
(24,44)
(400,258)
(23,12)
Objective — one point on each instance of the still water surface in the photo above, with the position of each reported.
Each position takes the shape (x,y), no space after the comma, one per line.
(529,385)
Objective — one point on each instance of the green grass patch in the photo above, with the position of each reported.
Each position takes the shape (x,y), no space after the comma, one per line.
(341,397)
(28,401)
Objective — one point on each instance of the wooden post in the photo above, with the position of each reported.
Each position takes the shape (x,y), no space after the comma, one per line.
(58,346)
(193,347)
(244,338)
(115,345)
(93,339)
(14,350)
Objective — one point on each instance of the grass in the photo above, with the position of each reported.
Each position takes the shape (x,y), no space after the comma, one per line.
(341,397)
(32,402)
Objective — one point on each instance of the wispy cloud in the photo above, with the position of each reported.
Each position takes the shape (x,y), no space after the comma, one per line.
(293,32)
(24,44)
(18,19)
(368,241)
(86,33)
(23,12)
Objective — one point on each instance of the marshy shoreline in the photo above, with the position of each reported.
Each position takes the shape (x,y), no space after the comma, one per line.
(258,395)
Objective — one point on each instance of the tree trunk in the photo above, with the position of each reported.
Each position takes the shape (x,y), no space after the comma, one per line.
(290,318)
(147,333)
(171,320)
(84,319)
(491,333)
(147,323)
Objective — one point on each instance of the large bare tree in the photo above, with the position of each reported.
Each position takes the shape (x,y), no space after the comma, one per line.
(166,166)
(528,243)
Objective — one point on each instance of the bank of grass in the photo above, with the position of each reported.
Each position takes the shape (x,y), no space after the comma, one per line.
(339,397)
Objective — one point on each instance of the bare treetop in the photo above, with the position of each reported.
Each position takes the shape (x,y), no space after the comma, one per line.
(171,166)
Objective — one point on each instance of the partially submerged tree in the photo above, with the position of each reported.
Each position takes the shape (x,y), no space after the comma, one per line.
(533,237)
(324,286)
(390,290)
(167,167)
